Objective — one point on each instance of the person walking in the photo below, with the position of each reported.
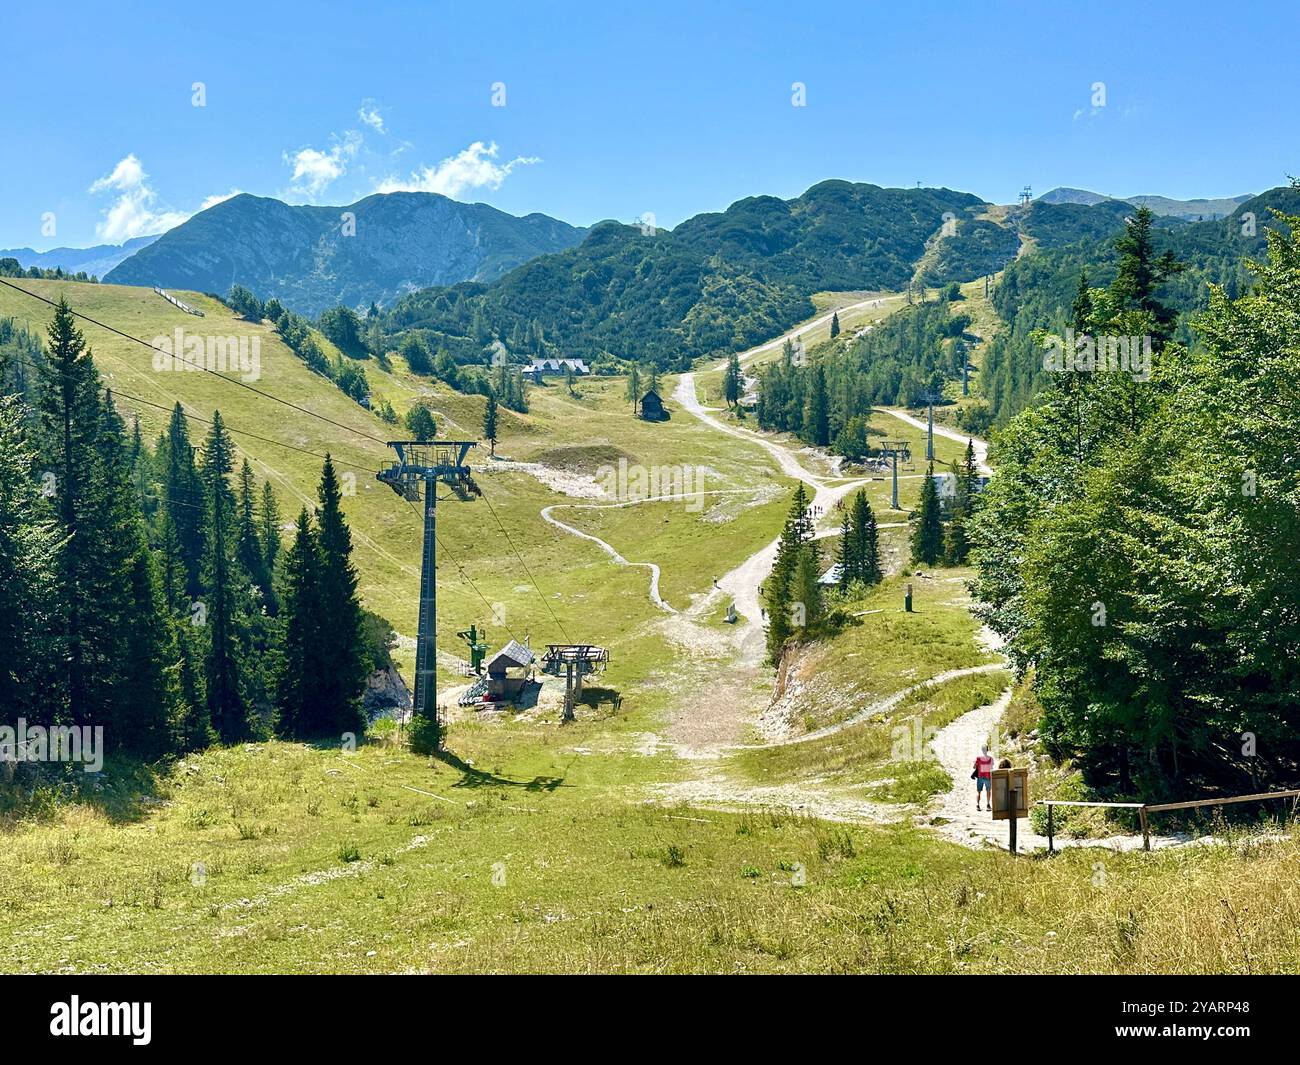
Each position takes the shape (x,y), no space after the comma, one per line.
(983,776)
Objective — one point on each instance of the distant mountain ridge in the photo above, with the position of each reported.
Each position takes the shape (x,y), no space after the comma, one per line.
(312,258)
(718,282)
(97,260)
(1196,210)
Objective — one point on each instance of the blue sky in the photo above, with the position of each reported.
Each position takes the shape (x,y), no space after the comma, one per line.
(670,110)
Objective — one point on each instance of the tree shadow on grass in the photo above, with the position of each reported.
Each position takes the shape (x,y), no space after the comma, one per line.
(473,777)
(124,791)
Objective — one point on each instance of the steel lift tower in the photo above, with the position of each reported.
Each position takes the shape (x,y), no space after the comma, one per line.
(895,448)
(431,462)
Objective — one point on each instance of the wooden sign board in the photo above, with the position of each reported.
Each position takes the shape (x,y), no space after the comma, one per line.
(1004,780)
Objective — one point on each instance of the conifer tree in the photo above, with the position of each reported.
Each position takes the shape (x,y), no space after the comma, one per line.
(732,381)
(835,324)
(221,590)
(866,542)
(248,547)
(490,422)
(269,535)
(300,646)
(30,544)
(927,536)
(183,505)
(343,672)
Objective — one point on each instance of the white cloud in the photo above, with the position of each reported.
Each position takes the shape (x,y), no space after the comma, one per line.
(314,170)
(220,197)
(133,213)
(369,114)
(474,167)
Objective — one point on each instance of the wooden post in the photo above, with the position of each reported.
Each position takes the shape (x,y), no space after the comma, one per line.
(1050,849)
(1012,798)
(1146,828)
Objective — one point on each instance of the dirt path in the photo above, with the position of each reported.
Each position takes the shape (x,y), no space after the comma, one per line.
(953,812)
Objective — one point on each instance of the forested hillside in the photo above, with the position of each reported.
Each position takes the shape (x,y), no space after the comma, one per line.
(1137,546)
(716,283)
(1035,292)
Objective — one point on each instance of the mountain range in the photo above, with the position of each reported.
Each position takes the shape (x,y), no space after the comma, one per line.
(97,260)
(312,258)
(1198,210)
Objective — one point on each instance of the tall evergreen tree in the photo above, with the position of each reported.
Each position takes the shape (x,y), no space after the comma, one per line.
(300,645)
(927,536)
(222,582)
(342,680)
(731,383)
(269,536)
(866,540)
(817,417)
(835,324)
(30,544)
(490,422)
(248,543)
(183,504)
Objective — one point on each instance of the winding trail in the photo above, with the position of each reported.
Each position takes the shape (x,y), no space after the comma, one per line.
(609,548)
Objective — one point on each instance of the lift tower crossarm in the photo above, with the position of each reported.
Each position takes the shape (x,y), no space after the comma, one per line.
(432,462)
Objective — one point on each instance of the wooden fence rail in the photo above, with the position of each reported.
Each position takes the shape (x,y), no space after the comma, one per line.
(1144,809)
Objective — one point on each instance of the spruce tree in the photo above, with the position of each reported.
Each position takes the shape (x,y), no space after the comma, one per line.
(490,422)
(806,589)
(342,680)
(732,381)
(269,538)
(866,542)
(222,582)
(30,545)
(927,536)
(847,555)
(300,648)
(150,697)
(248,547)
(817,415)
(835,324)
(183,502)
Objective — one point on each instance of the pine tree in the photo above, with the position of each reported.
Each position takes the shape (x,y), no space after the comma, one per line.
(300,648)
(732,381)
(778,588)
(835,324)
(183,505)
(490,422)
(806,589)
(269,535)
(30,545)
(847,556)
(927,537)
(248,549)
(97,513)
(221,590)
(866,541)
(144,723)
(817,415)
(343,673)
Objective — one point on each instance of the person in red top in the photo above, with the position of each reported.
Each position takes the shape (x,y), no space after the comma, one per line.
(983,776)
